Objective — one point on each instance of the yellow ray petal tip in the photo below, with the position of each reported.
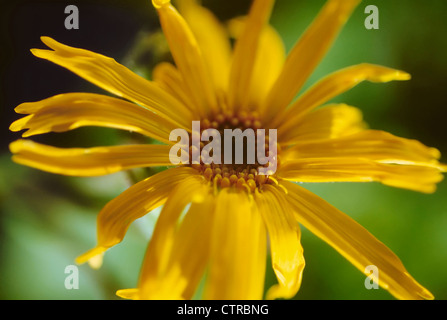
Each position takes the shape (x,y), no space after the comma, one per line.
(91,256)
(427,295)
(50,42)
(35,51)
(46,39)
(17,146)
(277,292)
(160,3)
(401,75)
(96,261)
(19,124)
(128,293)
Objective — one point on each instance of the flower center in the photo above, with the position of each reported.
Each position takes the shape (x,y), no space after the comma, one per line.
(235,151)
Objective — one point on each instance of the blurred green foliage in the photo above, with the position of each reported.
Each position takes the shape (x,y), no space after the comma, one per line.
(47,220)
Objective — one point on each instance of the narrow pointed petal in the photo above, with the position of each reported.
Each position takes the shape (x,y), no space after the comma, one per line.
(88,162)
(285,236)
(354,242)
(176,257)
(411,177)
(269,63)
(132,294)
(170,79)
(70,111)
(374,145)
(109,75)
(334,85)
(245,53)
(270,59)
(188,57)
(307,54)
(238,250)
(213,41)
(329,122)
(134,203)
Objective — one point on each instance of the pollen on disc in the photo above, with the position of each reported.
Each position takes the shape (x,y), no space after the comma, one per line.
(217,171)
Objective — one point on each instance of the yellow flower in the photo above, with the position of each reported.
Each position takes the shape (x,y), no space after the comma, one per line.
(231,209)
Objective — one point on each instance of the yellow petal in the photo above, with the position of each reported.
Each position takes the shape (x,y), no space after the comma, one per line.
(306,55)
(329,122)
(176,257)
(411,177)
(213,41)
(369,144)
(109,75)
(334,85)
(269,60)
(354,242)
(133,294)
(134,203)
(88,162)
(73,110)
(245,53)
(170,79)
(91,254)
(238,250)
(96,261)
(188,58)
(284,235)
(269,63)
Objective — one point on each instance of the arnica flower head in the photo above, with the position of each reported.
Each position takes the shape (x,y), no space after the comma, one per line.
(234,215)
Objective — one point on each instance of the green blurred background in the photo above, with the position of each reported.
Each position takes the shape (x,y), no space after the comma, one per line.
(47,220)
